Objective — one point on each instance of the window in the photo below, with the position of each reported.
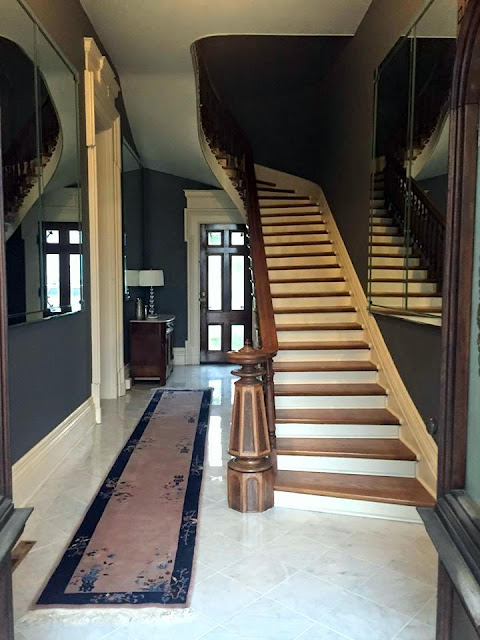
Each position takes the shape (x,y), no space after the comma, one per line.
(62,259)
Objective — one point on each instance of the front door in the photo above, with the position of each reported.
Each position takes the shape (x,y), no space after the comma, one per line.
(225,291)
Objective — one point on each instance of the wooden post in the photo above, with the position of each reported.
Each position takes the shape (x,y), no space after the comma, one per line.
(250,472)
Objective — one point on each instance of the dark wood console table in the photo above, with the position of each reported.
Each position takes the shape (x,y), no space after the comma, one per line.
(151,348)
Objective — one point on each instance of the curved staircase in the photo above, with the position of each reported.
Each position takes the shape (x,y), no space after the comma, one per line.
(338,445)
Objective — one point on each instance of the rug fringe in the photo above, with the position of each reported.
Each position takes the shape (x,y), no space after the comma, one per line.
(89,615)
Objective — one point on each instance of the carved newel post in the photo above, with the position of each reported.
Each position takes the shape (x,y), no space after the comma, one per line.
(250,472)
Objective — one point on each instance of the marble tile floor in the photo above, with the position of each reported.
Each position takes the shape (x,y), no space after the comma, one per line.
(281,575)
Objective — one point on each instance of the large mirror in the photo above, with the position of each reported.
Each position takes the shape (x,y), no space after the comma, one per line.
(409,169)
(41,174)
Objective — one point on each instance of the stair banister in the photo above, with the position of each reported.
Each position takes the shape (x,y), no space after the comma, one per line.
(251,472)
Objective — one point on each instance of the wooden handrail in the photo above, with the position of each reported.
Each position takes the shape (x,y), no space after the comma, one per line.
(252,436)
(425,224)
(227,140)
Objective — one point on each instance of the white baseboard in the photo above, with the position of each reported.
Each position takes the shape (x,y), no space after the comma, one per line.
(36,466)
(179,356)
(128,379)
(346,506)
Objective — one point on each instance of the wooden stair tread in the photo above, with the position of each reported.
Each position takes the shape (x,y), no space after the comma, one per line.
(402,312)
(297,223)
(319,232)
(393,255)
(377,448)
(315,310)
(403,491)
(309,254)
(336,416)
(311,294)
(297,244)
(300,280)
(330,326)
(392,294)
(330,389)
(304,266)
(269,184)
(427,280)
(324,365)
(273,189)
(290,205)
(327,344)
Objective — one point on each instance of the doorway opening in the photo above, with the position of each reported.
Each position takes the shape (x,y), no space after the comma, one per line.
(225,291)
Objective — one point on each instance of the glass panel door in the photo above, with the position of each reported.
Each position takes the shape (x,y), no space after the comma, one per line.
(226,295)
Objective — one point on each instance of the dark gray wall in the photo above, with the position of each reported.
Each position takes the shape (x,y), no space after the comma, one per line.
(164,244)
(50,361)
(437,190)
(415,349)
(278,105)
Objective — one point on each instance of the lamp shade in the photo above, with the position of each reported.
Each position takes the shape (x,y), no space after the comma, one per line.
(151,278)
(133,277)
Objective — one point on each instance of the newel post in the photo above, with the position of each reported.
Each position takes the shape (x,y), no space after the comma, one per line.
(250,472)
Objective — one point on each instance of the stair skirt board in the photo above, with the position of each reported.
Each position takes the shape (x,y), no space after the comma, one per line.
(373,431)
(350,466)
(346,506)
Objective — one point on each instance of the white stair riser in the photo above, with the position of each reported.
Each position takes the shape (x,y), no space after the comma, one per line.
(317,227)
(314,355)
(302,261)
(314,218)
(390,301)
(346,506)
(311,303)
(315,336)
(314,318)
(395,240)
(309,208)
(298,250)
(377,203)
(388,431)
(398,274)
(307,287)
(290,240)
(362,466)
(298,274)
(325,377)
(330,402)
(377,210)
(398,251)
(402,287)
(271,202)
(378,261)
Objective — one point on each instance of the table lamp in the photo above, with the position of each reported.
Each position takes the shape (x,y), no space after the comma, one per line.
(151,278)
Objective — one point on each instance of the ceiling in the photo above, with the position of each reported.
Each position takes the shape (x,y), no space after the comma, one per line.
(149,43)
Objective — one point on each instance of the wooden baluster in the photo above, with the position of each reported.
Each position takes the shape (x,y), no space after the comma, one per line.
(250,476)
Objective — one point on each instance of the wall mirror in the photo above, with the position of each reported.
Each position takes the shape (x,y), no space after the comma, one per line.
(40,170)
(408,198)
(132,214)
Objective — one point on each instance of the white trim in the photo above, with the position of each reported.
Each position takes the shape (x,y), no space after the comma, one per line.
(346,506)
(36,466)
(413,431)
(203,207)
(179,356)
(103,140)
(128,379)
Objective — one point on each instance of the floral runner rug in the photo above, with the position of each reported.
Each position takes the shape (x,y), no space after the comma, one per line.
(135,545)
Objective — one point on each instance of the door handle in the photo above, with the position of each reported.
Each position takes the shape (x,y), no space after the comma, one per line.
(203,300)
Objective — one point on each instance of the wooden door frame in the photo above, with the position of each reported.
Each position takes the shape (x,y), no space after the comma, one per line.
(105,226)
(203,207)
(454,523)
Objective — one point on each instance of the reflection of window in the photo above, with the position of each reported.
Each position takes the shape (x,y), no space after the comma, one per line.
(62,264)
